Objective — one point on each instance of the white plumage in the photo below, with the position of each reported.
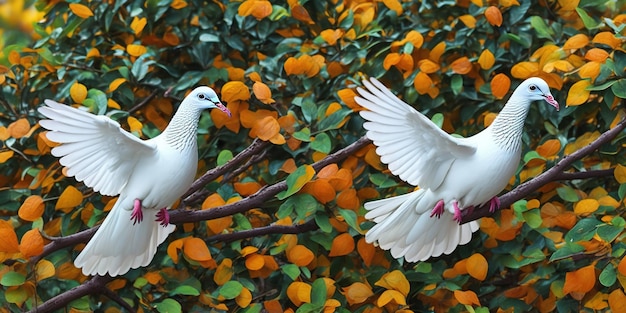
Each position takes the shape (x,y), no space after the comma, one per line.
(149,176)
(453,173)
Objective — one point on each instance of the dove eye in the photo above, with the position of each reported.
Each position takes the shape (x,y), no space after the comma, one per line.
(533,87)
(201,96)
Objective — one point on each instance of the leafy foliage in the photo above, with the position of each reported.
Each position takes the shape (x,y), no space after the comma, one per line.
(279,225)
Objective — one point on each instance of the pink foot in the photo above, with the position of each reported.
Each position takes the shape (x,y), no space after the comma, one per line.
(494,204)
(137,215)
(457,212)
(163,217)
(438,209)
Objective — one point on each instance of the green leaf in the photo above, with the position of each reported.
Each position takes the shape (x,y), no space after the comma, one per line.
(303,134)
(532,155)
(608,233)
(140,282)
(608,276)
(437,119)
(541,27)
(321,143)
(566,251)
(456,84)
(185,290)
(383,181)
(169,306)
(323,223)
(588,21)
(231,289)
(16,295)
(350,218)
(533,218)
(584,230)
(619,88)
(291,270)
(11,279)
(224,157)
(296,180)
(568,194)
(318,292)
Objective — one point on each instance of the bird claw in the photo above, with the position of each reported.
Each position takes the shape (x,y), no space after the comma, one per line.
(438,209)
(137,214)
(458,217)
(494,204)
(163,217)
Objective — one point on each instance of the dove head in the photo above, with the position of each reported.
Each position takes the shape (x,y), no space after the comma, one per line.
(205,98)
(536,88)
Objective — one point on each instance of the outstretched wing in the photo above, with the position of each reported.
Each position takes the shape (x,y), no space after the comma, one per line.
(414,148)
(94,148)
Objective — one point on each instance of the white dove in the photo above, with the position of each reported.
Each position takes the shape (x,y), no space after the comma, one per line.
(452,173)
(149,175)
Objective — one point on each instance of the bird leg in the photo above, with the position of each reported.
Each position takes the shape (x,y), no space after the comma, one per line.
(163,217)
(494,204)
(457,212)
(137,215)
(438,209)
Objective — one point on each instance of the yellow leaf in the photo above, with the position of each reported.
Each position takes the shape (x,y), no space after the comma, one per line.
(390,60)
(468,20)
(196,249)
(31,244)
(78,92)
(390,295)
(80,10)
(581,280)
(19,128)
(357,293)
(477,266)
(500,85)
(586,206)
(116,83)
(257,8)
(6,155)
(249,250)
(342,245)
(300,255)
(136,50)
(244,298)
(134,124)
(486,60)
(576,42)
(262,92)
(427,66)
(461,65)
(578,93)
(524,70)
(415,38)
(589,70)
(494,16)
(466,297)
(395,280)
(235,91)
(437,51)
(620,175)
(44,269)
(607,38)
(70,198)
(394,5)
(178,4)
(31,209)
(113,104)
(138,24)
(331,35)
(223,272)
(299,292)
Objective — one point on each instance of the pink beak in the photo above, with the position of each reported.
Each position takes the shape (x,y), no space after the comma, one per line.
(223,108)
(552,102)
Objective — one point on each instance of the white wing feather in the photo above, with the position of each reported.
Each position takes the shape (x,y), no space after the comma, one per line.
(95,150)
(412,146)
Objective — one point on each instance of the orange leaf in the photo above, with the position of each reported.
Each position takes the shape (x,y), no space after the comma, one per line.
(620,176)
(138,24)
(78,92)
(461,65)
(427,66)
(578,93)
(116,83)
(70,198)
(494,16)
(347,97)
(589,70)
(395,280)
(357,293)
(415,38)
(549,148)
(394,5)
(262,92)
(486,60)
(136,50)
(321,189)
(196,249)
(301,14)
(244,298)
(331,35)
(257,8)
(32,243)
(422,83)
(607,38)
(524,70)
(466,297)
(477,266)
(366,251)
(597,54)
(437,51)
(254,262)
(576,42)
(390,295)
(342,245)
(500,85)
(173,248)
(248,250)
(292,66)
(390,60)
(348,199)
(8,244)
(266,128)
(300,255)
(586,206)
(235,91)
(247,188)
(19,128)
(617,300)
(31,209)
(581,280)
(299,292)
(468,20)
(80,10)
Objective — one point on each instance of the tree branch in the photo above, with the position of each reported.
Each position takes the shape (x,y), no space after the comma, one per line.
(266,230)
(554,173)
(95,285)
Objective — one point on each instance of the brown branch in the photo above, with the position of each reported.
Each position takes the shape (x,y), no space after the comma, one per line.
(553,174)
(143,102)
(95,285)
(266,230)
(584,175)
